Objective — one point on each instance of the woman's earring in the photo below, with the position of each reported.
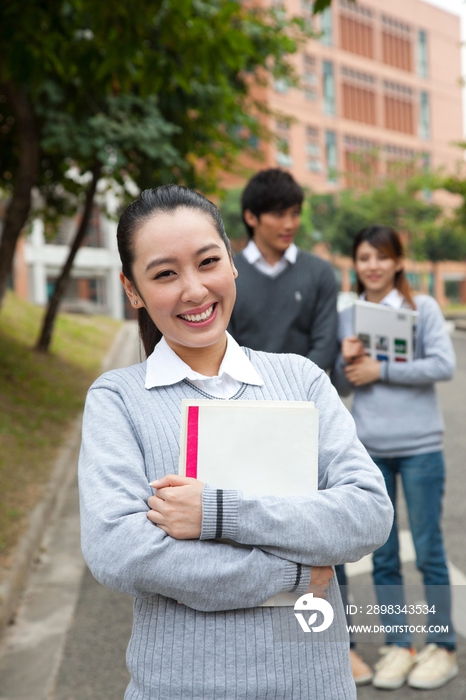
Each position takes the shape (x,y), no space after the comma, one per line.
(135,302)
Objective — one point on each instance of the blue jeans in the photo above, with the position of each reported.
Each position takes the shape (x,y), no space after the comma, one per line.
(423,478)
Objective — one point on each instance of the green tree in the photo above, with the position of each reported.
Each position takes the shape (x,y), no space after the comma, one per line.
(448,242)
(230,209)
(195,60)
(403,203)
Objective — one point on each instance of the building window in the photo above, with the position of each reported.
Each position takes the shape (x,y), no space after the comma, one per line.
(359,98)
(326,27)
(282,156)
(356,9)
(328,88)
(65,232)
(331,155)
(81,293)
(281,86)
(284,160)
(399,107)
(361,162)
(356,29)
(424,117)
(310,78)
(93,238)
(397,47)
(313,154)
(356,36)
(399,161)
(422,55)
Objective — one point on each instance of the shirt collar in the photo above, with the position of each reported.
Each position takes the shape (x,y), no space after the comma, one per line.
(164,367)
(393,299)
(253,254)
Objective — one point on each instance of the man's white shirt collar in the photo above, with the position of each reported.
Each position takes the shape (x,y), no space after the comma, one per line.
(255,257)
(164,368)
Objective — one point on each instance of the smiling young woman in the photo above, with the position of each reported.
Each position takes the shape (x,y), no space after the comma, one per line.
(398,420)
(199,630)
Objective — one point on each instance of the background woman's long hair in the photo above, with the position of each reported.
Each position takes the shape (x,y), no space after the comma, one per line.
(388,242)
(159,200)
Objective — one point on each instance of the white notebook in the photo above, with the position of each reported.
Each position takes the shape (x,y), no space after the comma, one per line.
(258,447)
(386,333)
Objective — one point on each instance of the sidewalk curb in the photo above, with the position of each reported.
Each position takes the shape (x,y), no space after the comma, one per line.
(53,497)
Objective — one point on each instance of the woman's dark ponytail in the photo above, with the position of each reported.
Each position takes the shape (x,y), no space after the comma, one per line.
(148,331)
(164,199)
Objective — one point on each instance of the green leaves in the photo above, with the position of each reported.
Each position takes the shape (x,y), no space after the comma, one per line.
(124,126)
(404,203)
(160,89)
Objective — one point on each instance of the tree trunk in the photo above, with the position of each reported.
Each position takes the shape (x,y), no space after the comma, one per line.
(20,203)
(45,337)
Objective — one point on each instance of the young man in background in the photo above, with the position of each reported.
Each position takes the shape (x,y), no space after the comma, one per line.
(286,297)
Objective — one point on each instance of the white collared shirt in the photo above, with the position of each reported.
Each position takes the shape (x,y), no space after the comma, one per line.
(393,299)
(255,258)
(165,367)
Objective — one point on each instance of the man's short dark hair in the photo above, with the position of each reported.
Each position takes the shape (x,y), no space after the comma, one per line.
(270,190)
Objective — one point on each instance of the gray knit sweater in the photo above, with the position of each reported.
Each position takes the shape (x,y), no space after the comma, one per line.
(293,312)
(399,415)
(198,632)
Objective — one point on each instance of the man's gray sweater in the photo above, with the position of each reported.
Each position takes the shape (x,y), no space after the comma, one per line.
(293,312)
(198,631)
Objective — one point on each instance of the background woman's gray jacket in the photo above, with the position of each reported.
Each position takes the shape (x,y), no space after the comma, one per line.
(399,415)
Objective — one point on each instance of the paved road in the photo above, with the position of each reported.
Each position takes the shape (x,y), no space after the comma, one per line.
(69,639)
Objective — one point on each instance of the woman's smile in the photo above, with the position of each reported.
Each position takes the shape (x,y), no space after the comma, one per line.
(200,317)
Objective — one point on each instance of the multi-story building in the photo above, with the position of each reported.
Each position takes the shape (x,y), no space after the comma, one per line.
(380,85)
(94,285)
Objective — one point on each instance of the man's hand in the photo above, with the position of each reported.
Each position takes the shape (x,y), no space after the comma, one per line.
(352,349)
(365,370)
(320,580)
(177,506)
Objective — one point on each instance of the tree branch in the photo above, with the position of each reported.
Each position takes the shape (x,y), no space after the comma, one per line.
(45,337)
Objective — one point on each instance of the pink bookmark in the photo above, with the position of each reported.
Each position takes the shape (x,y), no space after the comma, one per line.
(191,441)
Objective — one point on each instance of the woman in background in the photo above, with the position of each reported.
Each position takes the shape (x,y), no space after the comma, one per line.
(399,421)
(199,630)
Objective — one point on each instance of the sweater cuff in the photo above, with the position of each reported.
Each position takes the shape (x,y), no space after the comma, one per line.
(219,513)
(384,371)
(296,578)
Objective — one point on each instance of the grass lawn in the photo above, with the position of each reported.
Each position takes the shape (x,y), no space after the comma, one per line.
(452,309)
(39,397)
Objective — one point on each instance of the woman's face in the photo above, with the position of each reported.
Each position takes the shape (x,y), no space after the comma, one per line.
(185,278)
(376,271)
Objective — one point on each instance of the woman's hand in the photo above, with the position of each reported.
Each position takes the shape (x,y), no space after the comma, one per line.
(365,370)
(177,506)
(351,349)
(320,580)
